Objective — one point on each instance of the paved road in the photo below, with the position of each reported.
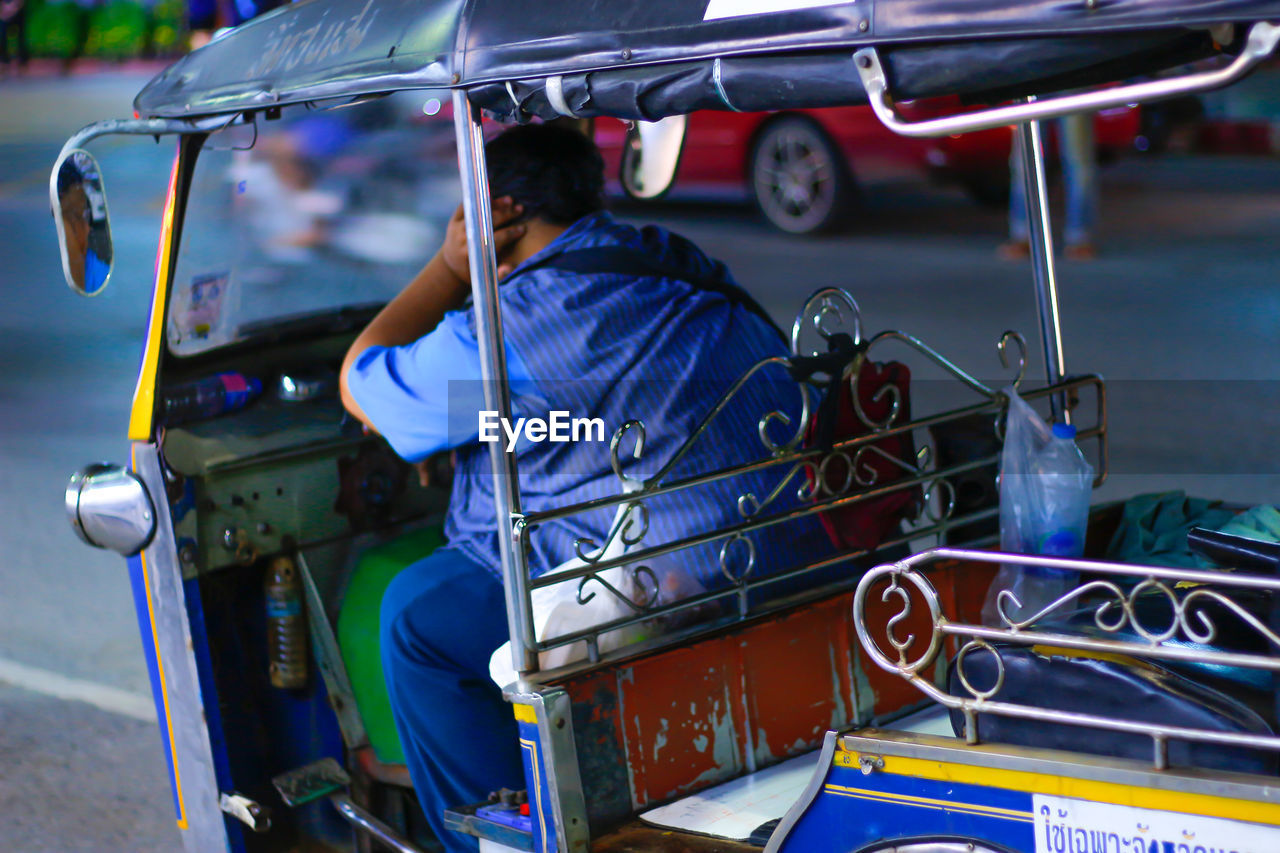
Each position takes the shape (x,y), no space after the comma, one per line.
(74,778)
(1180,313)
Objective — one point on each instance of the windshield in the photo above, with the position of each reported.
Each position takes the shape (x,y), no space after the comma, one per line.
(323,210)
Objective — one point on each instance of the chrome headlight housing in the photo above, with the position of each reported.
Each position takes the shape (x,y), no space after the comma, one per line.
(110,507)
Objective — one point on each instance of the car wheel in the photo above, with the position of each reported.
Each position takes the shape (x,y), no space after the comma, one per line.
(798,177)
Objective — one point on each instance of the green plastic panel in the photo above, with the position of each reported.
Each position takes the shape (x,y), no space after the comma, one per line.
(358,633)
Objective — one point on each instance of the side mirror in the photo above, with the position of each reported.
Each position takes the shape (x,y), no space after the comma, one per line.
(80,215)
(651,155)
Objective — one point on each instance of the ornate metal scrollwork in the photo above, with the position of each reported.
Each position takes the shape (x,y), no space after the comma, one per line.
(643,580)
(830,311)
(827,335)
(997,661)
(1188,620)
(1002,349)
(1115,611)
(630,531)
(902,581)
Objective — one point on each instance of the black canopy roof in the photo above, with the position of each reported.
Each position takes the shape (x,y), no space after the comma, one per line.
(648,58)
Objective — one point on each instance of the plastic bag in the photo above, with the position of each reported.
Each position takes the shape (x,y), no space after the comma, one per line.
(557,611)
(1045,485)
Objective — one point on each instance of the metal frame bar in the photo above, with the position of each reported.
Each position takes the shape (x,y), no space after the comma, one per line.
(1052,762)
(365,822)
(478,211)
(129,127)
(1029,148)
(1261,41)
(553,710)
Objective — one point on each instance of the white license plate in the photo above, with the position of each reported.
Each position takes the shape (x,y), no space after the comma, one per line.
(1066,825)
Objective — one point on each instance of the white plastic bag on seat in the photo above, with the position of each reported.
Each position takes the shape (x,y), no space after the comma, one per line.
(556,610)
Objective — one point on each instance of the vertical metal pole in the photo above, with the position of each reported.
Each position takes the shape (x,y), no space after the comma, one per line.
(478,211)
(1027,138)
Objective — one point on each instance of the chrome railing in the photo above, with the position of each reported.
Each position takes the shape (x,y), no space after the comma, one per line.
(1182,633)
(1259,44)
(797,466)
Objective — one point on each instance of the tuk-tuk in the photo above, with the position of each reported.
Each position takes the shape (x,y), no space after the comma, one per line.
(871,707)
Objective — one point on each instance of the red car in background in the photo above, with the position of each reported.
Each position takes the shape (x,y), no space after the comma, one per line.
(802,167)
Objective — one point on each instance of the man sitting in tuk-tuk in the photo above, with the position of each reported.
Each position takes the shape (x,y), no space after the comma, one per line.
(601,320)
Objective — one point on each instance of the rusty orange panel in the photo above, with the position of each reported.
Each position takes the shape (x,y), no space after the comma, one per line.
(678,720)
(798,679)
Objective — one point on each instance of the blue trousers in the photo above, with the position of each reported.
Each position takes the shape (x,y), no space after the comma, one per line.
(441,620)
(1077,154)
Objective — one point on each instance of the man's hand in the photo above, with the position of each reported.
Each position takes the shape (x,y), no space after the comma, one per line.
(506,231)
(442,285)
(437,470)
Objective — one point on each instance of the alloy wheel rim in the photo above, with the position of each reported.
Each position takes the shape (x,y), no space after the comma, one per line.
(795,177)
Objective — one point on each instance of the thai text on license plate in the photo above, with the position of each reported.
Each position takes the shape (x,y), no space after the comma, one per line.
(1078,826)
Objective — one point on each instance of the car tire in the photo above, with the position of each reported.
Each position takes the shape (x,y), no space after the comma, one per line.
(799,178)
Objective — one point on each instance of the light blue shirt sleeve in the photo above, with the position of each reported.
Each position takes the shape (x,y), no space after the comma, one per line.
(427,396)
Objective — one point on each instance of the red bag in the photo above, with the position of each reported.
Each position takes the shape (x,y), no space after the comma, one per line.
(864,525)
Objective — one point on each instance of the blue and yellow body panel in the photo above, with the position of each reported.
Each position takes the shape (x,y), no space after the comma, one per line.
(146,630)
(142,412)
(533,755)
(867,799)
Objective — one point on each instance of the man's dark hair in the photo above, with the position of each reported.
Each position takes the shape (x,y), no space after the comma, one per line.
(555,172)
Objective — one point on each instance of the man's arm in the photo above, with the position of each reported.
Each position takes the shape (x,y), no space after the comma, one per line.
(440,286)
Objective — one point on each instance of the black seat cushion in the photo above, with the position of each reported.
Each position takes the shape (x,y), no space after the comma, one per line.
(1113,687)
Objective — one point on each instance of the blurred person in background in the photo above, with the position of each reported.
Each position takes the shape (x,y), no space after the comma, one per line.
(13,18)
(202,20)
(207,18)
(1077,156)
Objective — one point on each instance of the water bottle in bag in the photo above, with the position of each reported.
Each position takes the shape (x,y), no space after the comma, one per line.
(1065,481)
(1045,484)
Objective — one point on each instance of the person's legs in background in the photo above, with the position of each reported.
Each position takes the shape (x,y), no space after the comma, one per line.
(1080,181)
(1079,177)
(442,618)
(24,51)
(13,22)
(1018,245)
(4,47)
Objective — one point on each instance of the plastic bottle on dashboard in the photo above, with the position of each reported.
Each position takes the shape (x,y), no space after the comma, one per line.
(208,397)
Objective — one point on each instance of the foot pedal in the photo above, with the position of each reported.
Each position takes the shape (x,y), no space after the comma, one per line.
(326,778)
(311,782)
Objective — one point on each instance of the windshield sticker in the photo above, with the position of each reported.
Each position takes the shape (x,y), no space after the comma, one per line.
(1076,826)
(200,307)
(717,9)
